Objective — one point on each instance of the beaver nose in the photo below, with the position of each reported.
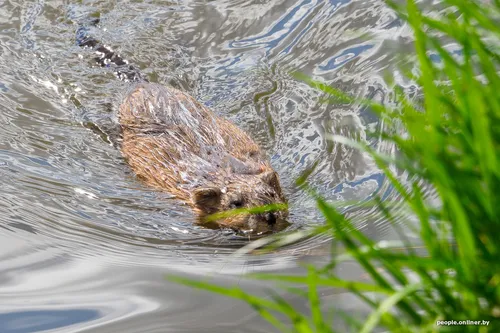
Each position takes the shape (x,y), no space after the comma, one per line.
(271,218)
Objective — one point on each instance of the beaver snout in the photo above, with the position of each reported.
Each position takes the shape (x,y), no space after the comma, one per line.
(261,224)
(271,218)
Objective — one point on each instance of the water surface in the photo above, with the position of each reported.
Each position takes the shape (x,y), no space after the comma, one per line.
(84,245)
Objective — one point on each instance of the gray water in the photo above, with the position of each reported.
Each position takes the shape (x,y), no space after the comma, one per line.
(84,245)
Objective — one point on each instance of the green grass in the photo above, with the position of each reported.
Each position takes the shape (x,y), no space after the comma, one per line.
(453,145)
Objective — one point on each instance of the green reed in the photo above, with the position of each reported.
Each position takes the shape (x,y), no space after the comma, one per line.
(452,144)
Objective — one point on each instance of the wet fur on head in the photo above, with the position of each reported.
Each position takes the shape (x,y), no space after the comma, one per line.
(246,191)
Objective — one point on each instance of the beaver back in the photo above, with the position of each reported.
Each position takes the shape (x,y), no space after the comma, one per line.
(174,142)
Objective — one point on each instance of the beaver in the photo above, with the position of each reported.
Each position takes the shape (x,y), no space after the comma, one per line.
(176,144)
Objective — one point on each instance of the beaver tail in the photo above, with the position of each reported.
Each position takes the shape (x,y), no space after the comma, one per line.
(106,57)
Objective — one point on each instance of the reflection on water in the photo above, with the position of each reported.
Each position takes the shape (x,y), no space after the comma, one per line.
(36,321)
(84,245)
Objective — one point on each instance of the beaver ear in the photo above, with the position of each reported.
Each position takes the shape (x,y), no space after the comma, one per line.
(271,178)
(207,197)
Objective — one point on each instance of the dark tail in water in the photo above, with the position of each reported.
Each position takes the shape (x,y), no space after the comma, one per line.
(106,57)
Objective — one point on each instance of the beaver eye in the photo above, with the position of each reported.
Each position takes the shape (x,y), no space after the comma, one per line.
(237,203)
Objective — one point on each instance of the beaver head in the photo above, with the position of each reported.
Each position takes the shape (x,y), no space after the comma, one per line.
(243,192)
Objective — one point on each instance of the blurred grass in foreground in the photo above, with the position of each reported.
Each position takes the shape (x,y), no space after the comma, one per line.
(452,143)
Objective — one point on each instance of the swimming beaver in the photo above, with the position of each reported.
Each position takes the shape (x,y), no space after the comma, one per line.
(174,143)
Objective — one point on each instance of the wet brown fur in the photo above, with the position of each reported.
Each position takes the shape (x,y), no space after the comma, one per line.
(176,144)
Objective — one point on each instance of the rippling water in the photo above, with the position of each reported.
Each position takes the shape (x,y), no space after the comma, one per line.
(84,246)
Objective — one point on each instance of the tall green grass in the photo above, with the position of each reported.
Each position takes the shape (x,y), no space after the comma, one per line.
(452,143)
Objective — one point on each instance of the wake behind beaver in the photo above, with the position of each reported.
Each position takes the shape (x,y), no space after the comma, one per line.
(176,144)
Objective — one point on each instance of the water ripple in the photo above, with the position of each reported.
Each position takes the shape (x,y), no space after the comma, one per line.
(75,221)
